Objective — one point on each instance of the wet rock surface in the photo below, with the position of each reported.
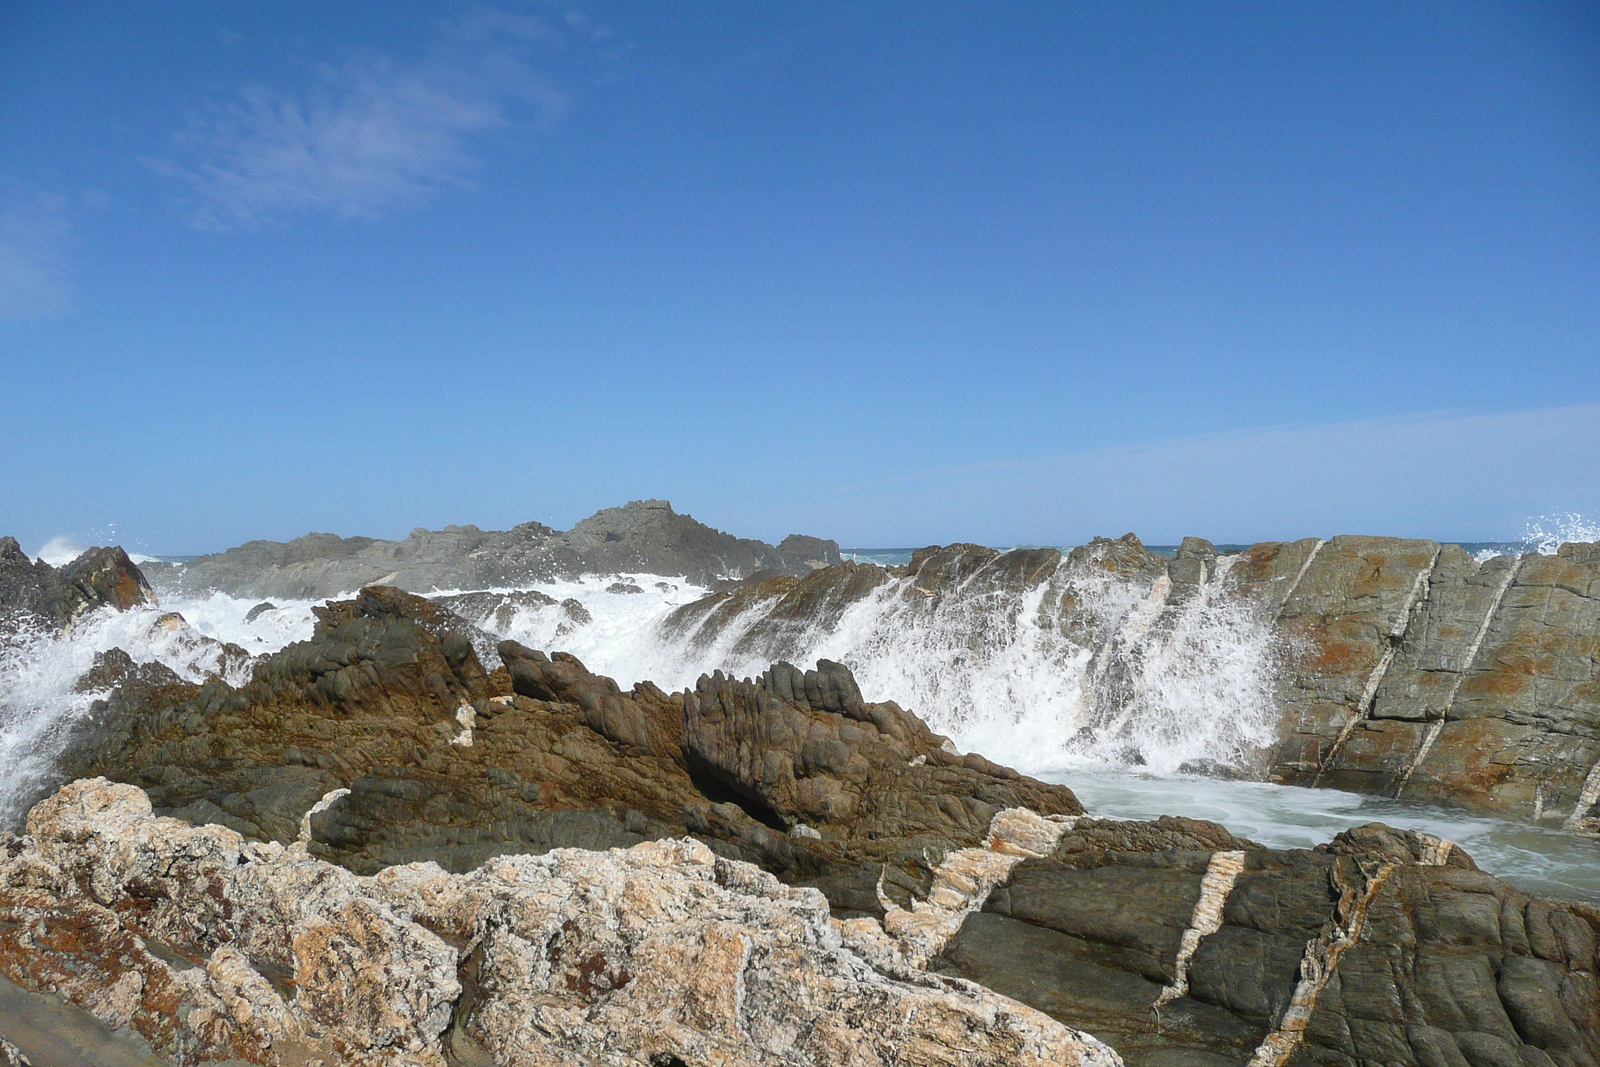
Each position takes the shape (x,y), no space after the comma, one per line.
(645,536)
(1398,667)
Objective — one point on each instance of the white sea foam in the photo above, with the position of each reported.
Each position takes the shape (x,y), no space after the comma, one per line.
(1548,533)
(1538,858)
(1008,673)
(39,674)
(59,550)
(620,637)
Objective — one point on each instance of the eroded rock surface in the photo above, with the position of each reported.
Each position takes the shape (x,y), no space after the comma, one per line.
(449,763)
(215,948)
(1175,943)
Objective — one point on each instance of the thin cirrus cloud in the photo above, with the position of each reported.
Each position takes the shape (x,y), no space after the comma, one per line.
(35,283)
(371,135)
(1472,475)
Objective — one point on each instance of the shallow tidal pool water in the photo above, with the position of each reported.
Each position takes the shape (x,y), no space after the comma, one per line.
(1539,859)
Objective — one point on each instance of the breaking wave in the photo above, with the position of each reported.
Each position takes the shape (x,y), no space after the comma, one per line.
(43,691)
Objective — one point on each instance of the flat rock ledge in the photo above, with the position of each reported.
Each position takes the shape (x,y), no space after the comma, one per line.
(213,948)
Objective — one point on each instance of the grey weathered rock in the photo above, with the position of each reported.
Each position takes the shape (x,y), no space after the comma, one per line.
(646,536)
(214,947)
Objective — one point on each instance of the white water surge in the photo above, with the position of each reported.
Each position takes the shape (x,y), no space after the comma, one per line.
(41,692)
(1112,685)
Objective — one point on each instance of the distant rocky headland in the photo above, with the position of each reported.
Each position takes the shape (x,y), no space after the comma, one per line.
(643,536)
(403,841)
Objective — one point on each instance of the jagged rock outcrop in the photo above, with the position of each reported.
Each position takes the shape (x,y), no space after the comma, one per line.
(446,762)
(646,536)
(215,948)
(804,748)
(35,593)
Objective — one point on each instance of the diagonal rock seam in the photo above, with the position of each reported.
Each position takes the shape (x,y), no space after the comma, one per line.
(1317,967)
(1300,574)
(1587,796)
(1343,931)
(963,880)
(1417,596)
(1437,726)
(1221,872)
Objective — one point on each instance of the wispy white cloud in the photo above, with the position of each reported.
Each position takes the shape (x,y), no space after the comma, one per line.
(34,234)
(370,135)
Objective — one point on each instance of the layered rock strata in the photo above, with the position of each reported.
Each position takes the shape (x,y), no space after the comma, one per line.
(1176,944)
(213,948)
(645,536)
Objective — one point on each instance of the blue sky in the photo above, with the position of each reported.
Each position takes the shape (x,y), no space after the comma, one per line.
(891,273)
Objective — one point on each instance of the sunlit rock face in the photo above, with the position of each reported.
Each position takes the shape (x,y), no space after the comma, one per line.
(1380,665)
(212,947)
(54,598)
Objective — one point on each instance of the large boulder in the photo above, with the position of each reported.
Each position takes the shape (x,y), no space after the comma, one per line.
(213,948)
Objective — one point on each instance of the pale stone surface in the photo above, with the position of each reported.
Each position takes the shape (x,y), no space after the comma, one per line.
(630,956)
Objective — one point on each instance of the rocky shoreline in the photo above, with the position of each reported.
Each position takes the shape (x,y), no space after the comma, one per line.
(1403,667)
(385,848)
(644,536)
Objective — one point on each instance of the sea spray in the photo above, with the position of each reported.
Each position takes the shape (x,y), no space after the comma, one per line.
(40,674)
(1077,667)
